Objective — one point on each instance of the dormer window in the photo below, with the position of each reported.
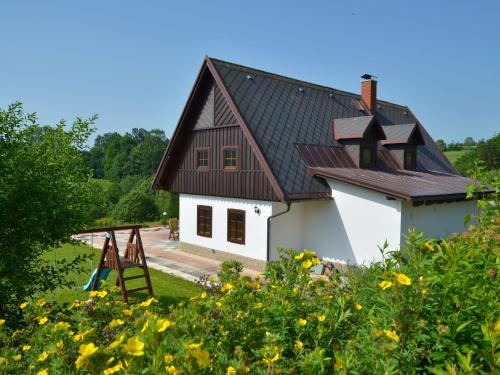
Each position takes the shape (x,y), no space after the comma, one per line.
(359,136)
(367,157)
(402,141)
(410,157)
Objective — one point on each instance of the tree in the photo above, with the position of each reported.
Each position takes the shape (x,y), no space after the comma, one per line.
(441,144)
(135,207)
(469,142)
(486,151)
(44,197)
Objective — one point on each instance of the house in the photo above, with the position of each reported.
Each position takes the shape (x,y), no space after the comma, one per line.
(264,161)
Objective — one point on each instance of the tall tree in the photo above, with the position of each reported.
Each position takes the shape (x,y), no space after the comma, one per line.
(44,197)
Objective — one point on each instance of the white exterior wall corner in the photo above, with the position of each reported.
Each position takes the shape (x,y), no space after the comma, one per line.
(436,220)
(365,219)
(255,224)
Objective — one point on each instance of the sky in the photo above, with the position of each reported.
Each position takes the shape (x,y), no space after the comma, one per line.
(134,62)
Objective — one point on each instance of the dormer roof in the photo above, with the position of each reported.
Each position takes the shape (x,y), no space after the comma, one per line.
(400,134)
(357,127)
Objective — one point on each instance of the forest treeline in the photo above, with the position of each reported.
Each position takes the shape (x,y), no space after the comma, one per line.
(122,168)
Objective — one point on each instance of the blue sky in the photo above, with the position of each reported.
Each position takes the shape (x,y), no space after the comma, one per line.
(134,62)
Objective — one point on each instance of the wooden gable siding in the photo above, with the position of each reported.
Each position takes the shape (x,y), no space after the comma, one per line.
(249,181)
(214,109)
(214,125)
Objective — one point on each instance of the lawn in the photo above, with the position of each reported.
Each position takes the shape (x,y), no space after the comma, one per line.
(168,289)
(454,155)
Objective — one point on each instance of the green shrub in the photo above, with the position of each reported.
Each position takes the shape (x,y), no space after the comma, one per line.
(135,207)
(431,308)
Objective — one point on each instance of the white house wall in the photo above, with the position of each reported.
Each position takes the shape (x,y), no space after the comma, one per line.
(348,227)
(367,220)
(256,224)
(437,220)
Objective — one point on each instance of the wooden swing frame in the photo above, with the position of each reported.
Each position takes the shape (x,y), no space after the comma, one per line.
(134,257)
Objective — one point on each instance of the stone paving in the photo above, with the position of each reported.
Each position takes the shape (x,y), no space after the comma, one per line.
(164,254)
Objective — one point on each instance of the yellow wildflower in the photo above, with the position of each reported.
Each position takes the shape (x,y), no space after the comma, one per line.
(298,345)
(134,346)
(117,342)
(357,306)
(269,360)
(302,322)
(429,246)
(171,370)
(102,294)
(193,346)
(127,312)
(316,260)
(169,358)
(26,348)
(45,371)
(203,295)
(145,326)
(43,356)
(227,286)
(148,302)
(23,305)
(496,328)
(162,325)
(115,323)
(231,371)
(307,264)
(321,317)
(17,357)
(110,360)
(202,357)
(385,284)
(299,256)
(218,304)
(402,279)
(112,370)
(309,252)
(42,320)
(392,335)
(86,350)
(2,321)
(75,304)
(258,305)
(61,326)
(425,292)
(80,336)
(40,302)
(60,344)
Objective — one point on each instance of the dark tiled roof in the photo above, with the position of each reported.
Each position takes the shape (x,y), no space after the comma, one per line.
(281,112)
(402,184)
(325,156)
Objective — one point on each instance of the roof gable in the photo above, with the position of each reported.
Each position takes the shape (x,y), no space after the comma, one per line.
(357,127)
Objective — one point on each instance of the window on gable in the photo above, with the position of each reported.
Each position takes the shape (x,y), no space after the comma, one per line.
(204,221)
(236,226)
(230,158)
(410,158)
(202,158)
(367,156)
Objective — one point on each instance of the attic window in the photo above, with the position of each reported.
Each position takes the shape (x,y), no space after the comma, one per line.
(230,158)
(410,158)
(202,158)
(367,157)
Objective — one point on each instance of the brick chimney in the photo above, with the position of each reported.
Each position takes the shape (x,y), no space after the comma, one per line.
(369,92)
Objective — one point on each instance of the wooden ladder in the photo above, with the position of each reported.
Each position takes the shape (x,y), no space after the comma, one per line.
(134,257)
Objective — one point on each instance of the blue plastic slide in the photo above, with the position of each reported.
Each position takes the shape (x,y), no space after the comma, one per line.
(104,275)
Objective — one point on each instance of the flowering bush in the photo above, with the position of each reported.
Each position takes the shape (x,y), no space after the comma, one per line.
(430,308)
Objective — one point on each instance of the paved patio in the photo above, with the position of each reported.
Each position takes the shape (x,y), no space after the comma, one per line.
(164,254)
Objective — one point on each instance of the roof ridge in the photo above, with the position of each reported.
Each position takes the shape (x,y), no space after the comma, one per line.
(299,81)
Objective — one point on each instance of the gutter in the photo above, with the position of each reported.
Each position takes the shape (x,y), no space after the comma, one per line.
(268,255)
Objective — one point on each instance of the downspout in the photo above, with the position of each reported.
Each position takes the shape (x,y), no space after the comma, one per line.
(288,204)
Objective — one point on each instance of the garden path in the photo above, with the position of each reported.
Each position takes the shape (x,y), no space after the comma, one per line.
(164,254)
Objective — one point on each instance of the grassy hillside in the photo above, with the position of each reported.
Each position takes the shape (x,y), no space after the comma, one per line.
(454,155)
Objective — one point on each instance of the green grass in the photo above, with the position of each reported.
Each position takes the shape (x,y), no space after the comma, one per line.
(168,289)
(454,155)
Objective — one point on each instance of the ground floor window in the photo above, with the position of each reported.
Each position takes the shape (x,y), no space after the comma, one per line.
(204,223)
(236,226)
